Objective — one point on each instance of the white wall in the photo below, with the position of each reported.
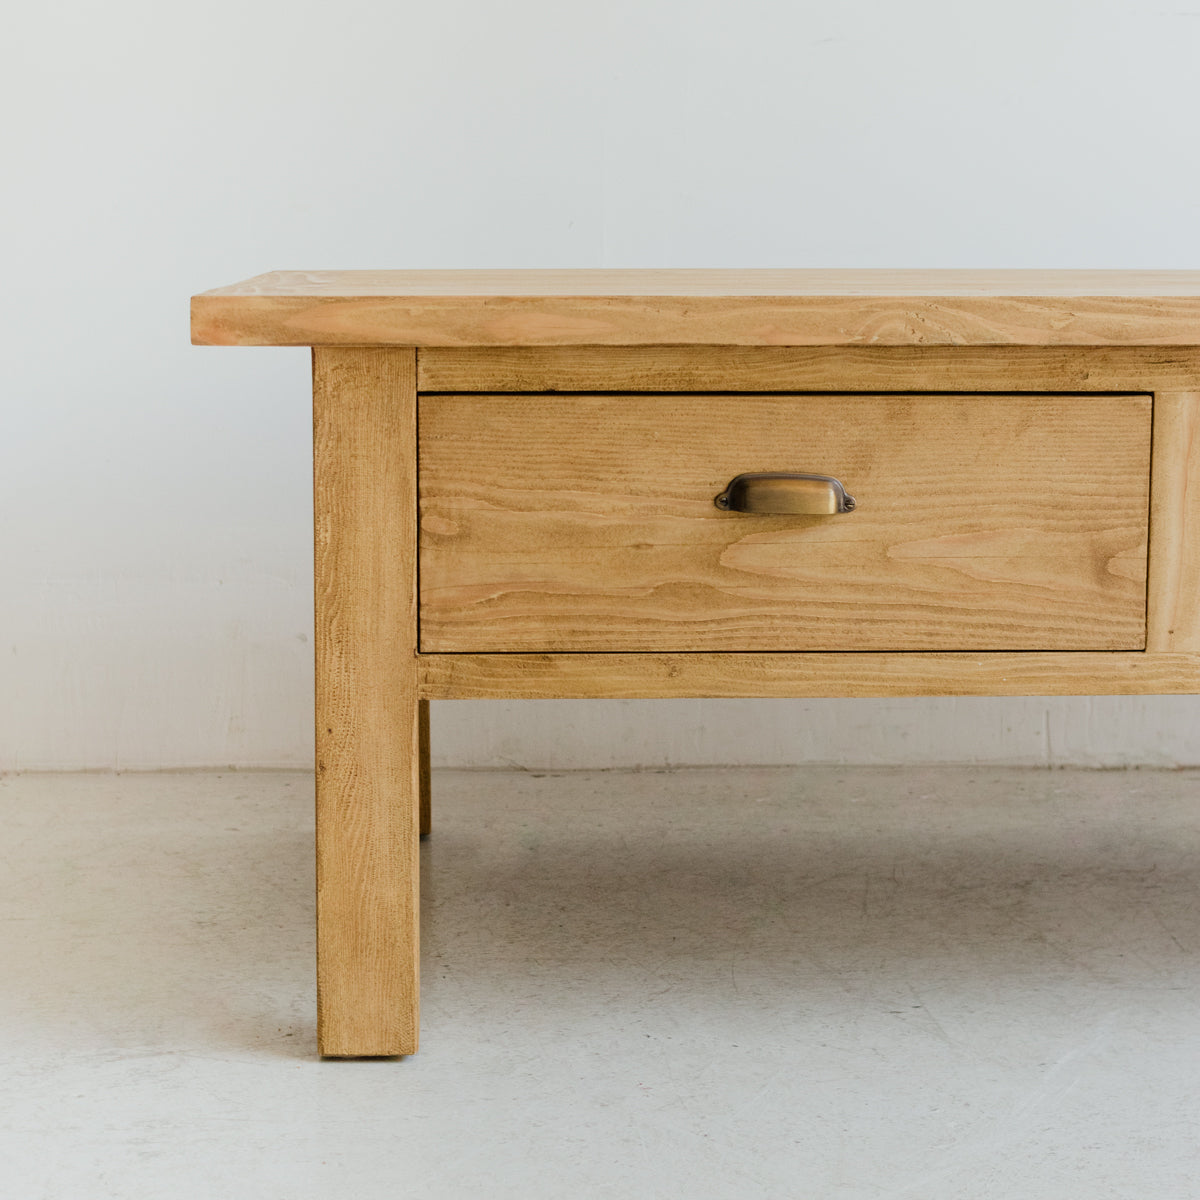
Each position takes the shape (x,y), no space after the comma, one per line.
(155,543)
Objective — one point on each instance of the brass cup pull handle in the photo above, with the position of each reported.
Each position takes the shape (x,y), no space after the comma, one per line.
(785,495)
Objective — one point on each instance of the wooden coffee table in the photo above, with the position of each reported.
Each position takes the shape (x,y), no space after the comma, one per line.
(712,483)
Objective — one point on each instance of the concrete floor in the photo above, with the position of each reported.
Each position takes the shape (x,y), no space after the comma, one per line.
(926,983)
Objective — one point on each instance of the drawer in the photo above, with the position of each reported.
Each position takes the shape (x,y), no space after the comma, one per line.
(582,523)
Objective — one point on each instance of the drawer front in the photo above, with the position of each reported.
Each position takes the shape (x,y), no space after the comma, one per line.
(587,523)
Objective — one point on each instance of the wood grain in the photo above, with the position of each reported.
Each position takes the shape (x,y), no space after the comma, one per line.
(1173,616)
(785,676)
(586,523)
(367,721)
(807,369)
(749,308)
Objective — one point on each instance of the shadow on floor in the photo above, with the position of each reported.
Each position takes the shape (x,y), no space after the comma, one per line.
(168,913)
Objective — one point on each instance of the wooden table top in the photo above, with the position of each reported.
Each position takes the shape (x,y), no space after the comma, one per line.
(696,307)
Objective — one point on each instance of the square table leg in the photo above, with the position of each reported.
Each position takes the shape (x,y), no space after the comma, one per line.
(368,720)
(426,789)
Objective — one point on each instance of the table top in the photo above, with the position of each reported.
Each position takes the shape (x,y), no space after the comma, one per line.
(733,307)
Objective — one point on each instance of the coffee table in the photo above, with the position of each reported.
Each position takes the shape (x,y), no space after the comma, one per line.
(712,483)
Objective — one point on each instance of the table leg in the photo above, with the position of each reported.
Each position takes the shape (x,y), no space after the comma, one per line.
(367,711)
(426,796)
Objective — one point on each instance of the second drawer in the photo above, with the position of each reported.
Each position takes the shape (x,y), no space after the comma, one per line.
(562,523)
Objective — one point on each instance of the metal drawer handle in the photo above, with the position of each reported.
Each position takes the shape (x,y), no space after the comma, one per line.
(808,495)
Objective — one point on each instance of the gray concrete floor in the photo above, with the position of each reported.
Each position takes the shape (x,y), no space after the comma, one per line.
(800,983)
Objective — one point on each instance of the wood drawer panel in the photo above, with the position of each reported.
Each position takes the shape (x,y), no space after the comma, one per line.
(586,523)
